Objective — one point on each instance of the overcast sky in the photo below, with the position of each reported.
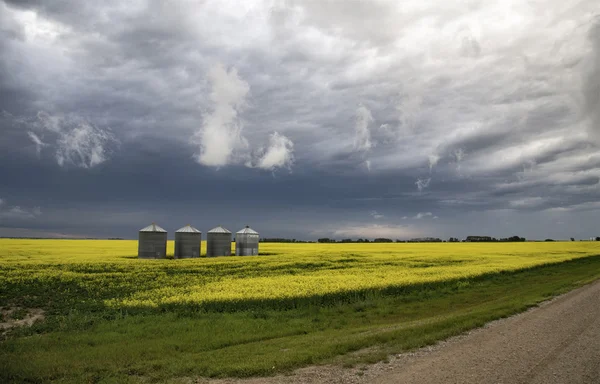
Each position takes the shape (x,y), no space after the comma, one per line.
(301,119)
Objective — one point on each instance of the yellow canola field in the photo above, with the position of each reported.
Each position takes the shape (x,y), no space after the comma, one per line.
(108,270)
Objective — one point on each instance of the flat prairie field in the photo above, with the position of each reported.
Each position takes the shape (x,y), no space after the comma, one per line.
(107,316)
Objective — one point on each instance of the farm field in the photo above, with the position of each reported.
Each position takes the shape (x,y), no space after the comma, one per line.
(110,317)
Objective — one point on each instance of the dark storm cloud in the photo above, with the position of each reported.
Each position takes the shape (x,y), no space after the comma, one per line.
(591,88)
(304,117)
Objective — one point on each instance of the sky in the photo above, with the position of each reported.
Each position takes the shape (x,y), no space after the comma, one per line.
(302,119)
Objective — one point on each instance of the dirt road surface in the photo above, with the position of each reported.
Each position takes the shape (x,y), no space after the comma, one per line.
(556,342)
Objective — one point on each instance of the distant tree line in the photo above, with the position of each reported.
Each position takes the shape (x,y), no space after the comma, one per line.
(424,240)
(380,240)
(468,239)
(282,240)
(488,239)
(377,240)
(327,240)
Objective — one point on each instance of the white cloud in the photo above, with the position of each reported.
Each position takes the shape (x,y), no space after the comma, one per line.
(362,136)
(52,123)
(587,206)
(83,146)
(422,215)
(376,215)
(387,134)
(527,202)
(459,155)
(374,231)
(279,153)
(39,144)
(16,212)
(221,132)
(522,155)
(409,109)
(78,142)
(423,183)
(433,160)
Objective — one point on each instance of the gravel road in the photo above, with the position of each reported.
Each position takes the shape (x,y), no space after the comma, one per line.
(556,342)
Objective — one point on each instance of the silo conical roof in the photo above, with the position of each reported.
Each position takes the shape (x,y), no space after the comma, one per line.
(219,229)
(187,229)
(247,231)
(152,228)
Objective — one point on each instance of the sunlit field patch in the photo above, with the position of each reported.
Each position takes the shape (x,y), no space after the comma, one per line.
(108,273)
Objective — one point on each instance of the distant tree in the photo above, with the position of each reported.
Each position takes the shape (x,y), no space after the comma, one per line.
(549,240)
(281,240)
(479,239)
(515,238)
(572,239)
(346,241)
(597,238)
(324,240)
(382,240)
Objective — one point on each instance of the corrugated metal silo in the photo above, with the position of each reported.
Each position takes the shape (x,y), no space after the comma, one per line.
(152,242)
(246,242)
(218,242)
(187,242)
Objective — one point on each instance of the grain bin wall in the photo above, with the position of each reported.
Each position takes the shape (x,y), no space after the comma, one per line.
(218,242)
(187,242)
(246,242)
(152,243)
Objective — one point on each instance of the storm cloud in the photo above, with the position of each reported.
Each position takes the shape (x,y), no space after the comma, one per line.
(301,118)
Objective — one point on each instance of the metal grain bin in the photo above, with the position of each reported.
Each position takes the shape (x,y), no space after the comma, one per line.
(152,242)
(246,242)
(218,242)
(187,242)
